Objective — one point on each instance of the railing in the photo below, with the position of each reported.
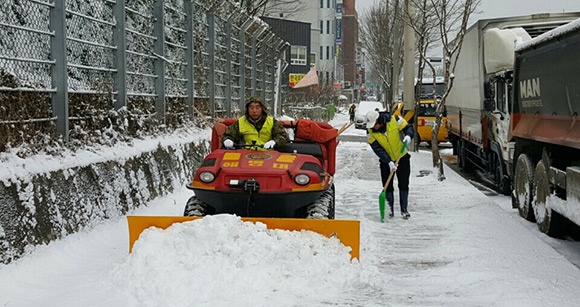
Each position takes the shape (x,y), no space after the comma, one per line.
(68,68)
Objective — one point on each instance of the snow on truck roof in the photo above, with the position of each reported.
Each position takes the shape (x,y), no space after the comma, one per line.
(557,32)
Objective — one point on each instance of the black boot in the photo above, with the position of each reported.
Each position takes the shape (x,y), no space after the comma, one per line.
(404,199)
(390,200)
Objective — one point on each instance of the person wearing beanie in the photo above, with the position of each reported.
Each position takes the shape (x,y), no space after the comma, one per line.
(255,126)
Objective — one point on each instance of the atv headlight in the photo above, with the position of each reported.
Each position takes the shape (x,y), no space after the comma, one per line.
(302,179)
(206,177)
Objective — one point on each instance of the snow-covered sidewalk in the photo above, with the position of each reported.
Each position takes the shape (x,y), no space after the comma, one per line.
(458,249)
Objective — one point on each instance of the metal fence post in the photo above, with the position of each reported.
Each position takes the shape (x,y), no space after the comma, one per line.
(211,51)
(253,74)
(229,67)
(274,76)
(119,40)
(265,60)
(159,65)
(59,68)
(243,55)
(189,73)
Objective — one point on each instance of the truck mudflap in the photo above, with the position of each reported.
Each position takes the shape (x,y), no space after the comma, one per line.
(347,231)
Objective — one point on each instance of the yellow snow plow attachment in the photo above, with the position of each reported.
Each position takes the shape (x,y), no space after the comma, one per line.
(347,231)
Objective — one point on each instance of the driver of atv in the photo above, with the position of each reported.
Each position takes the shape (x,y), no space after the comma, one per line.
(256,125)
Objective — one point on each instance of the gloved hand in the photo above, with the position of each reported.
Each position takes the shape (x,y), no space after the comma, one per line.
(229,144)
(407,139)
(392,166)
(270,144)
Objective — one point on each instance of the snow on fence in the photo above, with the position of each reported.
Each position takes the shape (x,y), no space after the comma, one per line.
(84,69)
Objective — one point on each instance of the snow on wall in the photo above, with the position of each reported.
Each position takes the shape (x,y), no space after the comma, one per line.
(43,207)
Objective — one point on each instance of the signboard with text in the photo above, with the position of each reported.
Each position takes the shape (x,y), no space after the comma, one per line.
(295,78)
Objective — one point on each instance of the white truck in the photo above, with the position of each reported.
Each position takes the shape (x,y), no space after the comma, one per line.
(479,105)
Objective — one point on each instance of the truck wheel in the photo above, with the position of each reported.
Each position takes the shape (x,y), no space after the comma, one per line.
(501,184)
(523,187)
(323,207)
(195,207)
(461,156)
(549,221)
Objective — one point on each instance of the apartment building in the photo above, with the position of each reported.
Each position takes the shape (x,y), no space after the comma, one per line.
(333,39)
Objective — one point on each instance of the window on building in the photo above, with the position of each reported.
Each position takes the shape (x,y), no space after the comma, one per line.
(321,53)
(321,27)
(312,58)
(328,3)
(327,77)
(321,4)
(298,55)
(328,52)
(328,27)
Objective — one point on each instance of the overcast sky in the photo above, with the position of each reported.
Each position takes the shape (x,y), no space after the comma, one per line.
(502,8)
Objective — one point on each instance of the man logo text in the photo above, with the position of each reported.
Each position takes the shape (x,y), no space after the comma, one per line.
(530,88)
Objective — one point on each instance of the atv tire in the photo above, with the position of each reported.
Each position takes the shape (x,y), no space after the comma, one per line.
(195,207)
(323,207)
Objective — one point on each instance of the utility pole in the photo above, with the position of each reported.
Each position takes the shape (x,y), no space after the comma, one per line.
(409,66)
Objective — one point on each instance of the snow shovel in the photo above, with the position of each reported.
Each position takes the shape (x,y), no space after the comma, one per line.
(383,195)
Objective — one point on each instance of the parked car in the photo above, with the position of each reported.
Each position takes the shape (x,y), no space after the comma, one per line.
(362,109)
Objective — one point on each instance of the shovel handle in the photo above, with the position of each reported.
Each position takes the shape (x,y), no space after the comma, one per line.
(343,128)
(396,165)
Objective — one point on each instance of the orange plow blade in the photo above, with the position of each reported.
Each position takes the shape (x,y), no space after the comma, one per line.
(347,231)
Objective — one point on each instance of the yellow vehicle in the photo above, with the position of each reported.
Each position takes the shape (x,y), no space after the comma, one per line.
(427,114)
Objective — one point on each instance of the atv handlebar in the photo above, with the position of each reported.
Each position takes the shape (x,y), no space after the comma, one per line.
(248,146)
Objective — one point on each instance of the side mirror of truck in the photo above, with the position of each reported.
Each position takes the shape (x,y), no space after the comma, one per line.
(489,104)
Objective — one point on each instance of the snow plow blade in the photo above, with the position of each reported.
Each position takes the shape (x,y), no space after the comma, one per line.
(347,231)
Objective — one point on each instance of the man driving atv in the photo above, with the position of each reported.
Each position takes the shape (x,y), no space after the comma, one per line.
(256,125)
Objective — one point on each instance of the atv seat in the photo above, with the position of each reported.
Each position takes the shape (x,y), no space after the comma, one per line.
(318,139)
(303,147)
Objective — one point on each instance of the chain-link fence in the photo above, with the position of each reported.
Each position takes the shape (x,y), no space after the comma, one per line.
(84,69)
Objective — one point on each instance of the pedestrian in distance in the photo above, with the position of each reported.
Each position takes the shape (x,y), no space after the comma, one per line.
(386,134)
(255,127)
(351,112)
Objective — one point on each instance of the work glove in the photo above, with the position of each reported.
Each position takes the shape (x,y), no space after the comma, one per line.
(270,144)
(229,144)
(392,166)
(407,139)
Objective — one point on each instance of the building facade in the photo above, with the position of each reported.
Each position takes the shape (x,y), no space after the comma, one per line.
(297,55)
(333,39)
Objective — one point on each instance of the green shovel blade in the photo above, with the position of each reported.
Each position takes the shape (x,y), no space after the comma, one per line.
(382,197)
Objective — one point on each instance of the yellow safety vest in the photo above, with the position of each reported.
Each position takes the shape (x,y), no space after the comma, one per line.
(251,134)
(390,140)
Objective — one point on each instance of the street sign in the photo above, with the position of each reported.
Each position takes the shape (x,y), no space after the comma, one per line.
(295,78)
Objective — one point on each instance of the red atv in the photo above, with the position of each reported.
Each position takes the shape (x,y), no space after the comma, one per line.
(293,181)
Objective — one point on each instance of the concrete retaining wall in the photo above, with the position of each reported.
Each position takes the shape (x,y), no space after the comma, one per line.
(52,205)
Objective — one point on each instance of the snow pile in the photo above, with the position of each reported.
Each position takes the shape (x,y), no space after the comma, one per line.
(552,34)
(222,261)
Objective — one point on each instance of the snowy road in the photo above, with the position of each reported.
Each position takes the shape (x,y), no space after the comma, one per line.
(460,248)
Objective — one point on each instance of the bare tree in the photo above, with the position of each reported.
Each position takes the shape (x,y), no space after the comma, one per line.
(380,32)
(272,7)
(452,17)
(422,21)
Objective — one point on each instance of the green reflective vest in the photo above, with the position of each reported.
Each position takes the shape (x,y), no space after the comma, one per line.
(251,134)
